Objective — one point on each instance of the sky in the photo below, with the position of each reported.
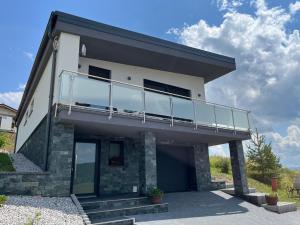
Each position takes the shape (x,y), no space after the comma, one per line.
(262,35)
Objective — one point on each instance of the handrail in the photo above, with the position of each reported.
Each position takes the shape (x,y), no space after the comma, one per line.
(153,90)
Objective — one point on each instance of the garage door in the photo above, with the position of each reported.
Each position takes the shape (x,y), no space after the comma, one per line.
(175,169)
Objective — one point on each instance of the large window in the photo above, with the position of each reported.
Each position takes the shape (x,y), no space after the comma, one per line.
(116,153)
(99,72)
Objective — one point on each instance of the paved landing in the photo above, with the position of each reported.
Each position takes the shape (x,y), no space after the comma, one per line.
(216,207)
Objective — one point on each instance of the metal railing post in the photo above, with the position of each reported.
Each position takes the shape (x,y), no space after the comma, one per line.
(216,118)
(59,95)
(144,104)
(249,128)
(171,107)
(195,120)
(233,122)
(72,77)
(110,101)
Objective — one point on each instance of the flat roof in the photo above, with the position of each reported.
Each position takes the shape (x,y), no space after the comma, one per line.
(115,44)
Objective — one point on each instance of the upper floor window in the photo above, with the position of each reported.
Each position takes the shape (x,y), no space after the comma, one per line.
(116,153)
(26,118)
(31,107)
(167,88)
(99,72)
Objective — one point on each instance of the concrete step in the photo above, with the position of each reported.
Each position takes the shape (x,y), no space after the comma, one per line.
(231,191)
(98,204)
(114,221)
(133,210)
(256,198)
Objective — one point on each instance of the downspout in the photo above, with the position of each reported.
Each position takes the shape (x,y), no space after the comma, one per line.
(51,95)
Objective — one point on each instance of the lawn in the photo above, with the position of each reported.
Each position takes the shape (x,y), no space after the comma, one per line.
(5,163)
(286,175)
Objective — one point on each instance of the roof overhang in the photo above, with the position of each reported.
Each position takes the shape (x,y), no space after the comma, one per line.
(114,44)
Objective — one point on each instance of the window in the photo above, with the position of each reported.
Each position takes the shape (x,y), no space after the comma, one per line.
(99,72)
(116,153)
(166,88)
(26,117)
(31,107)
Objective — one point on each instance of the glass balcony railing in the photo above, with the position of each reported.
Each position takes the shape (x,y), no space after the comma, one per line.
(83,90)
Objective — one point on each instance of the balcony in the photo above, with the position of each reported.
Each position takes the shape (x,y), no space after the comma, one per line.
(115,98)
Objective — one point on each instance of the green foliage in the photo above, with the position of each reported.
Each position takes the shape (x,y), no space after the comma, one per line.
(262,163)
(3,199)
(155,192)
(35,220)
(7,141)
(273,194)
(5,163)
(223,164)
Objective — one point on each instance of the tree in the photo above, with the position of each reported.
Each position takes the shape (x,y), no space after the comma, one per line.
(2,141)
(262,163)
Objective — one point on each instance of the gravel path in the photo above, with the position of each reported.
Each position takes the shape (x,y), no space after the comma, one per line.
(18,210)
(22,164)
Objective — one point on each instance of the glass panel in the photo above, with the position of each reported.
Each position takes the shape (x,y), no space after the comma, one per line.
(116,156)
(84,173)
(90,92)
(205,113)
(65,88)
(224,117)
(158,104)
(127,98)
(240,120)
(183,108)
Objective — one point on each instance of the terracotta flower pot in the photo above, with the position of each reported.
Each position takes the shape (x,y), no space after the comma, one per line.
(271,200)
(156,199)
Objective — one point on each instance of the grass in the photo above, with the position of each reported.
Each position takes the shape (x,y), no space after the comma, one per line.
(5,163)
(286,179)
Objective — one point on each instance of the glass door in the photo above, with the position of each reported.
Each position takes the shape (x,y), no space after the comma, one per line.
(84,173)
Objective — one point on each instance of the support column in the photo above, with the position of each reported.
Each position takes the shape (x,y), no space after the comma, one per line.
(148,173)
(238,167)
(202,167)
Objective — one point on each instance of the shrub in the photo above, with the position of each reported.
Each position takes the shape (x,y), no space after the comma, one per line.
(221,163)
(155,192)
(3,199)
(2,141)
(5,163)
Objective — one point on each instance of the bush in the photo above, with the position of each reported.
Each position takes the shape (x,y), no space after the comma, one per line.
(2,141)
(222,164)
(3,199)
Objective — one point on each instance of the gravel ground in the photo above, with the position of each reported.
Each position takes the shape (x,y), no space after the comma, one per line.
(217,208)
(19,210)
(22,164)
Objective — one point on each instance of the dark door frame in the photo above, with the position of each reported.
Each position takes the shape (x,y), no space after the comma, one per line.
(97,165)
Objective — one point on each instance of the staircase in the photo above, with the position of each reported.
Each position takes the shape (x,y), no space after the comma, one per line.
(118,211)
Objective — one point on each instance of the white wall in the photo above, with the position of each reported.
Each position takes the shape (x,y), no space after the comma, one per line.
(40,109)
(120,72)
(6,122)
(67,58)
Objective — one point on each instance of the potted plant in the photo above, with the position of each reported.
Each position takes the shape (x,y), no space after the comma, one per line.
(272,198)
(156,195)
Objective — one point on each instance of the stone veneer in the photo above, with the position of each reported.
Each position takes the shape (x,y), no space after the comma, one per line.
(119,179)
(147,154)
(238,167)
(202,166)
(34,147)
(54,182)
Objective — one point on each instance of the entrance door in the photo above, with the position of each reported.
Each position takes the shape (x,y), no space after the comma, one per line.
(84,173)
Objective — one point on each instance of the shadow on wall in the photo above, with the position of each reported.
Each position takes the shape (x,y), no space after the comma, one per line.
(196,204)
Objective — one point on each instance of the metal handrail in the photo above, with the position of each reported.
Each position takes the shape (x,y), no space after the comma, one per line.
(153,90)
(216,123)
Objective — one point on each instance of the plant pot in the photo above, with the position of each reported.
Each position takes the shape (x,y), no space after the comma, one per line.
(156,199)
(271,200)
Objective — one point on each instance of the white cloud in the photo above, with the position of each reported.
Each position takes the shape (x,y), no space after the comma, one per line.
(230,5)
(288,147)
(267,79)
(29,55)
(22,87)
(294,7)
(11,98)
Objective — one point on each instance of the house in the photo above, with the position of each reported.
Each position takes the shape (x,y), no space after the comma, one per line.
(7,118)
(107,111)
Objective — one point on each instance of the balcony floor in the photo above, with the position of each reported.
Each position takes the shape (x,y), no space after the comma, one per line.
(97,122)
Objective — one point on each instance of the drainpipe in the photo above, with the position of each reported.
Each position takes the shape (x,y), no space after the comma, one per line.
(51,95)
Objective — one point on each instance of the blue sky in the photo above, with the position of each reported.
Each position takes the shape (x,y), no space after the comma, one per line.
(262,35)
